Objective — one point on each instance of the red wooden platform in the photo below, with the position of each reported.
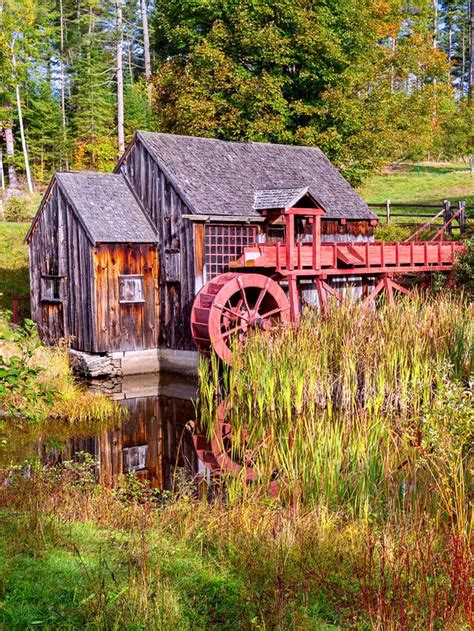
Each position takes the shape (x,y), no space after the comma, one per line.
(338,259)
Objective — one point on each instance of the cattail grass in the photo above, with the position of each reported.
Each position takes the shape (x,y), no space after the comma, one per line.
(337,409)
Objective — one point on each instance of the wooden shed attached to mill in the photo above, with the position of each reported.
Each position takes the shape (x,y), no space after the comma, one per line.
(117,259)
(94,265)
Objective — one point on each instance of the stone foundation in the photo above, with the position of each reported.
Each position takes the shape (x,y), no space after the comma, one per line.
(117,364)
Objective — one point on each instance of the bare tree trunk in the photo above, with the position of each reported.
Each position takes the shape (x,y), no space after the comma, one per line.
(2,174)
(22,133)
(146,49)
(471,52)
(463,64)
(22,129)
(393,45)
(120,111)
(130,64)
(450,50)
(12,188)
(23,140)
(434,112)
(63,79)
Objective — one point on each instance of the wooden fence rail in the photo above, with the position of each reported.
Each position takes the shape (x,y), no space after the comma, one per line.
(447,212)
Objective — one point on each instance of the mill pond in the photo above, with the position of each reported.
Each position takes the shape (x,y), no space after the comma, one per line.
(149,438)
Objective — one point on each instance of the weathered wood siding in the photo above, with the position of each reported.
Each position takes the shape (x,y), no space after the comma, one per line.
(60,247)
(166,209)
(125,326)
(351,230)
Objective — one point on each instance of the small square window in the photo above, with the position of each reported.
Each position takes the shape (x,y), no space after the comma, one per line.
(131,288)
(135,458)
(51,288)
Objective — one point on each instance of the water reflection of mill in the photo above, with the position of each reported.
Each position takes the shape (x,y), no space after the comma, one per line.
(153,441)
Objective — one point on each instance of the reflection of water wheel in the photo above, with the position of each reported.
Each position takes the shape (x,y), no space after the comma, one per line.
(217,453)
(232,304)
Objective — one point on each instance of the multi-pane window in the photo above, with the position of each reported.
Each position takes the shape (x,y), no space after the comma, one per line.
(131,288)
(51,288)
(225,244)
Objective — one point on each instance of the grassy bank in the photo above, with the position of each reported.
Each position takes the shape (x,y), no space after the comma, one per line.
(421,184)
(365,419)
(74,558)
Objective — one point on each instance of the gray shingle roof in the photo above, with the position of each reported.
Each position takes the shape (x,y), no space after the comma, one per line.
(268,198)
(107,208)
(216,177)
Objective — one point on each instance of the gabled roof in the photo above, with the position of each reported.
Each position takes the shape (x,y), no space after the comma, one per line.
(278,198)
(106,207)
(216,177)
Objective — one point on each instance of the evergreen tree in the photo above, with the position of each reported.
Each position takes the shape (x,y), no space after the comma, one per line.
(43,121)
(91,74)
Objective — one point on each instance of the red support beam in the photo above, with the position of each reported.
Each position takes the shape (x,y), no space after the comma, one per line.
(323,299)
(294,299)
(290,241)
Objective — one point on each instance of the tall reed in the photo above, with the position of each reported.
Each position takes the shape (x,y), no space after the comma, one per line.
(338,409)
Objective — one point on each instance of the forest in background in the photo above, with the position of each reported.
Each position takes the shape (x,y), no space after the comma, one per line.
(370,82)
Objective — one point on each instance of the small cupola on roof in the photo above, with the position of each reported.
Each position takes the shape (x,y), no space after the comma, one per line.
(284,199)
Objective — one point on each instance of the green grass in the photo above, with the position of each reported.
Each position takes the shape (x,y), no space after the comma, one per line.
(14,279)
(83,576)
(421,184)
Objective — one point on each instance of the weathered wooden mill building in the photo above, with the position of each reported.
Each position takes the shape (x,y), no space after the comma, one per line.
(117,259)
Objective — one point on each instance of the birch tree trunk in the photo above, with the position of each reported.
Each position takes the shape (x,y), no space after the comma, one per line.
(23,140)
(120,111)
(146,49)
(12,188)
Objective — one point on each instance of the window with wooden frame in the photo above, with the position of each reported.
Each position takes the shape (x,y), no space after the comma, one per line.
(275,233)
(131,289)
(50,288)
(135,458)
(224,244)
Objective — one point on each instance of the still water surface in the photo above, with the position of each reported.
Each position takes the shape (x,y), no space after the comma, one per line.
(153,440)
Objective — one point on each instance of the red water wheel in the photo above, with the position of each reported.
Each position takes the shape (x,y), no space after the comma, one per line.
(231,305)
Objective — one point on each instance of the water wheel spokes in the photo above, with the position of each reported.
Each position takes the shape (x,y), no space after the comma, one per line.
(230,306)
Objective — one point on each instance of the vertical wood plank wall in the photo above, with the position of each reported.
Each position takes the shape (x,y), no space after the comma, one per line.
(120,326)
(60,247)
(166,209)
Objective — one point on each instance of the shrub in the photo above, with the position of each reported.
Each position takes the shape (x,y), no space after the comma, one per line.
(21,208)
(392,232)
(464,269)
